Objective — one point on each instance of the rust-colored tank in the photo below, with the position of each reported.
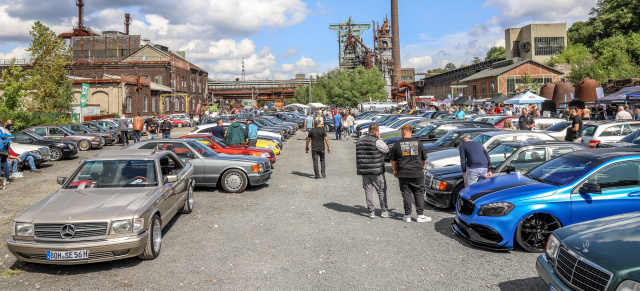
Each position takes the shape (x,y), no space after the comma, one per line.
(546,90)
(562,92)
(586,90)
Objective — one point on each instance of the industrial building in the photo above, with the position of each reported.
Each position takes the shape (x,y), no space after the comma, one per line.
(538,42)
(236,94)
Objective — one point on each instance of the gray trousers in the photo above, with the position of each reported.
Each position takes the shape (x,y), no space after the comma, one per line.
(474,175)
(379,184)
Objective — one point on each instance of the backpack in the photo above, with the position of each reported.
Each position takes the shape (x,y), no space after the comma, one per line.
(5,139)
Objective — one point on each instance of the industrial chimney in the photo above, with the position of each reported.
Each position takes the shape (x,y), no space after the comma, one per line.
(127,22)
(395,53)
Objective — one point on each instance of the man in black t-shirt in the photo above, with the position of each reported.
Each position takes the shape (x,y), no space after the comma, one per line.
(218,130)
(317,136)
(526,122)
(407,160)
(574,133)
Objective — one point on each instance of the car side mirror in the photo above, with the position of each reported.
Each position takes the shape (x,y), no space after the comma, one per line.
(190,155)
(456,144)
(590,188)
(432,135)
(171,179)
(66,134)
(61,180)
(509,169)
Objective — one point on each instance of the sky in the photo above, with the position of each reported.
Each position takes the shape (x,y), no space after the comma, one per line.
(279,38)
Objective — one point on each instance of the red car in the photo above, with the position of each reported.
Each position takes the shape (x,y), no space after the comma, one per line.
(220,146)
(499,123)
(176,122)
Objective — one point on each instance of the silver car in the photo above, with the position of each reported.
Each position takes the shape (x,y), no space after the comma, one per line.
(490,140)
(113,206)
(602,132)
(234,173)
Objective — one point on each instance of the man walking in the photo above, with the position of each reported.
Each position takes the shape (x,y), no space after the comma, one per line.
(318,137)
(252,133)
(152,128)
(138,125)
(460,114)
(218,130)
(337,124)
(525,122)
(235,132)
(370,151)
(475,162)
(407,160)
(622,114)
(308,123)
(574,133)
(123,128)
(165,128)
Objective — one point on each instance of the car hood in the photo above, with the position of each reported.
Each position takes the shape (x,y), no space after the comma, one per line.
(87,205)
(443,154)
(620,145)
(447,172)
(506,188)
(392,139)
(612,241)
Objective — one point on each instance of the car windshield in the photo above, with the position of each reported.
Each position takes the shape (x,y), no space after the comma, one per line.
(497,120)
(31,135)
(588,130)
(95,127)
(632,138)
(427,129)
(447,138)
(559,126)
(481,138)
(501,153)
(202,149)
(420,125)
(85,127)
(67,130)
(220,142)
(114,174)
(563,170)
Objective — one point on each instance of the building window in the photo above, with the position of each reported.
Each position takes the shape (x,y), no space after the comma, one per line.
(145,104)
(483,89)
(176,104)
(515,49)
(547,46)
(511,84)
(159,80)
(493,86)
(153,104)
(127,105)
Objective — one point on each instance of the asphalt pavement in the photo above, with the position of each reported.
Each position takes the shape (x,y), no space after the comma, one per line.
(296,233)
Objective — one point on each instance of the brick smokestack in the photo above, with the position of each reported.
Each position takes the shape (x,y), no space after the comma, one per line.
(127,22)
(395,53)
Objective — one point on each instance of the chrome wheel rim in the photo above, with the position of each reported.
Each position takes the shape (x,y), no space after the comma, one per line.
(190,197)
(536,228)
(55,154)
(157,236)
(84,145)
(234,181)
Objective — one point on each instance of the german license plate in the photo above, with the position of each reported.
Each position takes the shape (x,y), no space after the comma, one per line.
(67,255)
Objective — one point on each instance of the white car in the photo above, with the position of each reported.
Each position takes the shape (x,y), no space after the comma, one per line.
(594,133)
(42,151)
(396,125)
(205,128)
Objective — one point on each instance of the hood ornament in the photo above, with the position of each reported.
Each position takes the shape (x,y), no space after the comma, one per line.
(585,246)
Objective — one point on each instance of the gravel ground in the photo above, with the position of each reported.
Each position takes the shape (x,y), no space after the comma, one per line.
(294,233)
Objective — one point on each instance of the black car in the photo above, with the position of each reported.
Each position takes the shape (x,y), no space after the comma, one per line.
(328,124)
(97,127)
(453,138)
(436,130)
(109,138)
(442,186)
(60,149)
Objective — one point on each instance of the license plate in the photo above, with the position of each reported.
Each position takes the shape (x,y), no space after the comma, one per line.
(67,255)
(551,288)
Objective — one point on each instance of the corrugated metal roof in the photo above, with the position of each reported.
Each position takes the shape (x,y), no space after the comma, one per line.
(494,72)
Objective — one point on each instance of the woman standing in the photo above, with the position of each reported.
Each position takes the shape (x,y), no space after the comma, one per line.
(345,125)
(508,125)
(350,123)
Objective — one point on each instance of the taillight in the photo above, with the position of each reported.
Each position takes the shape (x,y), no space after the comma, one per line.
(594,143)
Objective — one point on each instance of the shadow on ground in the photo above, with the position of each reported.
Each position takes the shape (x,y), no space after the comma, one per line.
(528,284)
(304,175)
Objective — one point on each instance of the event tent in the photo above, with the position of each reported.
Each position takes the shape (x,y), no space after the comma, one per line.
(526,98)
(499,98)
(622,95)
(296,106)
(317,105)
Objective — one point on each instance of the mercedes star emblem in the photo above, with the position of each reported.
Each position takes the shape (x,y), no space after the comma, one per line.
(585,246)
(67,231)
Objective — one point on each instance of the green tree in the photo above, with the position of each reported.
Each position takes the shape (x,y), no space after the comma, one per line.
(608,18)
(318,93)
(496,52)
(572,54)
(14,86)
(449,67)
(529,84)
(49,55)
(437,70)
(476,60)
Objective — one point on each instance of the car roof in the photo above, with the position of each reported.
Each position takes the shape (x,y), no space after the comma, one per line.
(608,154)
(475,129)
(500,132)
(606,122)
(543,142)
(126,154)
(460,121)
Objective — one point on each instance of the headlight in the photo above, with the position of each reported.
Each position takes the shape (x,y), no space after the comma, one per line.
(628,285)
(23,229)
(553,245)
(496,209)
(122,226)
(438,184)
(265,155)
(271,147)
(428,166)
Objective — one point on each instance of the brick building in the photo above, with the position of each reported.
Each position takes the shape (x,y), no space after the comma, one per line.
(505,76)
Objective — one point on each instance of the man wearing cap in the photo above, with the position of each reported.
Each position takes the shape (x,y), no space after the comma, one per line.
(252,133)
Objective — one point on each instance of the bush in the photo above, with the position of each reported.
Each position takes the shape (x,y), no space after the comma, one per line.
(25,119)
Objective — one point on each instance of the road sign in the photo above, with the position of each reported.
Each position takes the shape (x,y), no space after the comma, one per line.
(84,94)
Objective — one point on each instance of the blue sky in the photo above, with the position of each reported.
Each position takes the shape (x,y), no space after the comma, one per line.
(278,38)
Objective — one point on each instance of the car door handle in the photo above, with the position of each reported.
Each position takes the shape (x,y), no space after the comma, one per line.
(634,194)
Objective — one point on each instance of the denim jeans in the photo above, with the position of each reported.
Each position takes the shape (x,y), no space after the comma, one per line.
(338,132)
(166,135)
(5,165)
(151,136)
(350,129)
(25,157)
(136,136)
(474,175)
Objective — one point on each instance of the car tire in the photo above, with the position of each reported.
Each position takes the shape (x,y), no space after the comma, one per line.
(56,154)
(84,145)
(455,195)
(154,240)
(234,181)
(188,203)
(179,124)
(534,230)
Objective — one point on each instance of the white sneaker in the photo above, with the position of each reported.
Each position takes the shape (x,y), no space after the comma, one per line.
(372,215)
(422,218)
(386,214)
(407,218)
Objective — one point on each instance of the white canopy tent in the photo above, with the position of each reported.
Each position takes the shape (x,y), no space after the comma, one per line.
(526,98)
(296,106)
(317,105)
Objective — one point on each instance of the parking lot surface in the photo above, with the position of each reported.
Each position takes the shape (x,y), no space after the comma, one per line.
(296,233)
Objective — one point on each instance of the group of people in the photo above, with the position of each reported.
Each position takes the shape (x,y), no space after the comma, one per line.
(236,134)
(10,161)
(154,128)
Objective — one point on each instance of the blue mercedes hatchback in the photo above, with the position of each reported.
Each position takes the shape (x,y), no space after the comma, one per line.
(526,208)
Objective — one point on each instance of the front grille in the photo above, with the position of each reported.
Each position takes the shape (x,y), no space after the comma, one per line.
(92,257)
(427,180)
(465,207)
(82,230)
(581,273)
(44,152)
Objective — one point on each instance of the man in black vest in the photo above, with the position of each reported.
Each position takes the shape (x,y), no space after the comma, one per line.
(370,151)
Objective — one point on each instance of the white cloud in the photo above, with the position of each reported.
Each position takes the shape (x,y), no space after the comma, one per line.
(17,53)
(419,63)
(289,53)
(518,11)
(303,65)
